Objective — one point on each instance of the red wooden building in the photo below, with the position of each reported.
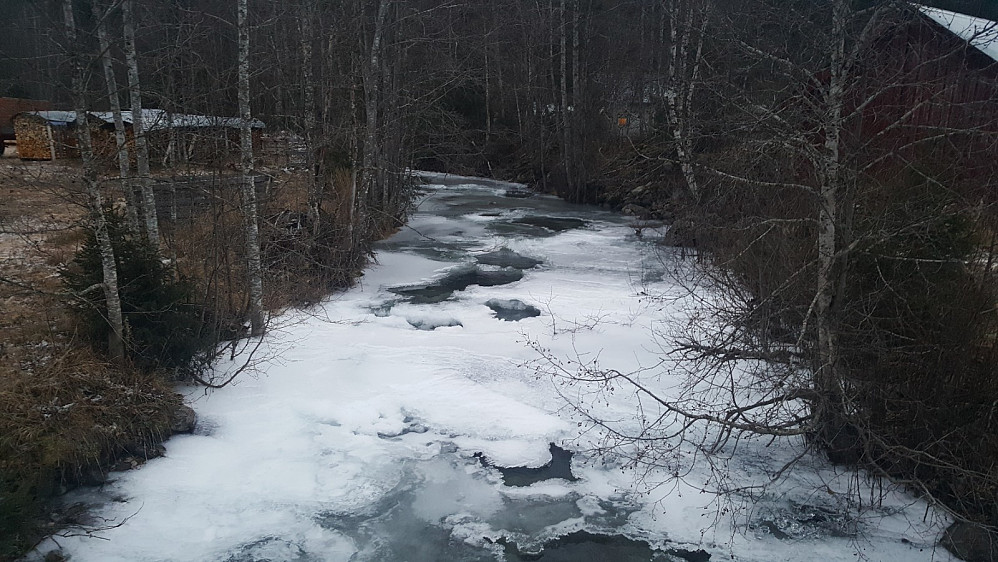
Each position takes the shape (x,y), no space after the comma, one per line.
(929,95)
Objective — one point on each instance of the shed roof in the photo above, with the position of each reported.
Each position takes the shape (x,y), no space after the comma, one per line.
(153,119)
(979,32)
(55,117)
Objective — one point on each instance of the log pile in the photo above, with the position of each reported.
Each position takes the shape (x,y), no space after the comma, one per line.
(34,140)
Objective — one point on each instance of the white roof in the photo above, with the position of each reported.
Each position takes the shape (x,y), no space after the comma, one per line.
(979,32)
(154,119)
(56,116)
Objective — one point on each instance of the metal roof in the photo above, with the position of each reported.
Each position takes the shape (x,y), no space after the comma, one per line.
(62,117)
(153,119)
(979,32)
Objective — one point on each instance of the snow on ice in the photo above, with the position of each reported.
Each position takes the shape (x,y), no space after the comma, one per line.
(358,439)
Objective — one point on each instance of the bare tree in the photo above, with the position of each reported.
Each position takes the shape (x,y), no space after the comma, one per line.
(254,271)
(138,126)
(306,17)
(566,109)
(94,200)
(124,165)
(849,193)
(372,173)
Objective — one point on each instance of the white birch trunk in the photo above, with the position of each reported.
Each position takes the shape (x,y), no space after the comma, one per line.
(253,268)
(120,137)
(827,381)
(115,344)
(677,109)
(138,127)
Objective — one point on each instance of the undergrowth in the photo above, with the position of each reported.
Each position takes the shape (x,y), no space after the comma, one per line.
(66,418)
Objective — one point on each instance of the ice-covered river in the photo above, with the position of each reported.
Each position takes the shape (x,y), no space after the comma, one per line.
(376,428)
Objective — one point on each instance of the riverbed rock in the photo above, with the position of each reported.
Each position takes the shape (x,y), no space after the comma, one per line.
(635,211)
(183,420)
(55,556)
(512,310)
(504,257)
(971,542)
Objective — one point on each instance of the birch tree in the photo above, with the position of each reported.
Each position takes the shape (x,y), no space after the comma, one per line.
(95,202)
(687,22)
(254,270)
(372,174)
(120,140)
(138,126)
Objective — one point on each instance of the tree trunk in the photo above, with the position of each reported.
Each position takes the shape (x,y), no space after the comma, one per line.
(372,90)
(253,268)
(566,133)
(355,161)
(115,343)
(828,380)
(578,167)
(314,188)
(120,137)
(677,97)
(138,127)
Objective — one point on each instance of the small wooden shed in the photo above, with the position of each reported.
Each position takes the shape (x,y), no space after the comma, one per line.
(176,137)
(931,90)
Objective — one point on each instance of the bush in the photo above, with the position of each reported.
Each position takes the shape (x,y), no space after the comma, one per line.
(164,328)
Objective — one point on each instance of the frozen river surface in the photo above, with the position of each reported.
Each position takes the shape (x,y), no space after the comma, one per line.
(375,429)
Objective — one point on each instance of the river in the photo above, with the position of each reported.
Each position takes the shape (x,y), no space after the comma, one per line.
(405,420)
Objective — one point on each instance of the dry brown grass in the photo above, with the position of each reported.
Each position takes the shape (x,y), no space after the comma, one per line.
(300,267)
(38,217)
(66,414)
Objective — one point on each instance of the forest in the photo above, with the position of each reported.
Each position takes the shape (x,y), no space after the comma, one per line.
(829,165)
